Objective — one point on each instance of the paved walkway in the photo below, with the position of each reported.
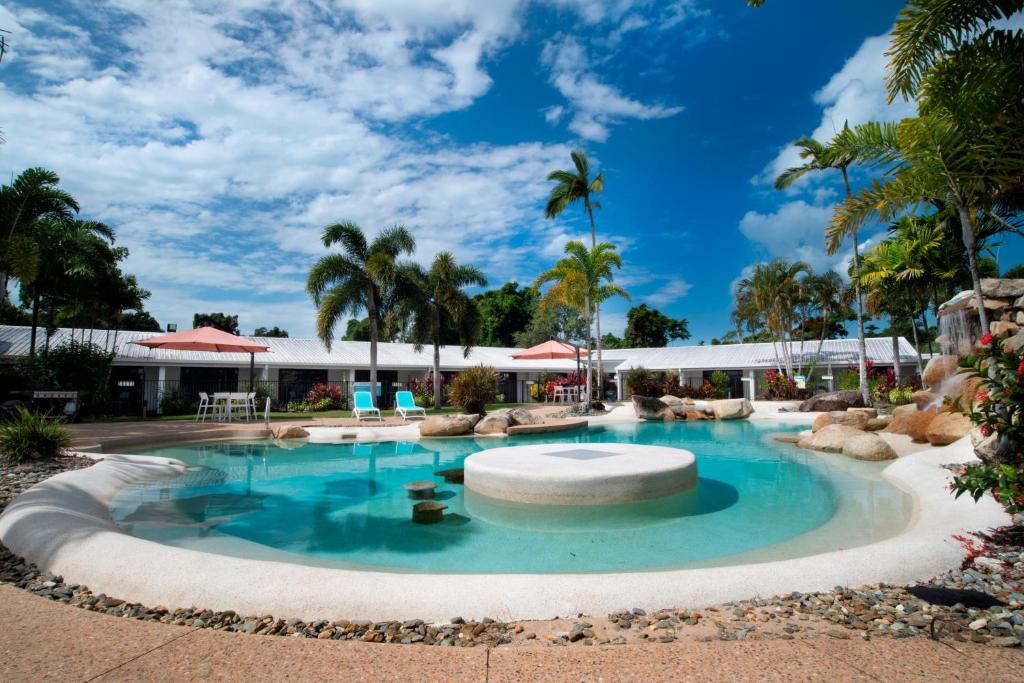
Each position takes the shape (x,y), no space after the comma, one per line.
(44,640)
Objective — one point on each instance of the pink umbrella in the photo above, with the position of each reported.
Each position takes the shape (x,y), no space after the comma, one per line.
(207,339)
(549,350)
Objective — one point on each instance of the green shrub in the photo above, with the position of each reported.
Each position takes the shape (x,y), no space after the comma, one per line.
(720,382)
(848,379)
(173,402)
(30,435)
(638,381)
(72,366)
(474,388)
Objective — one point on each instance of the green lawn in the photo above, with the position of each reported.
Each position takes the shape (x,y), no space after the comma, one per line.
(301,416)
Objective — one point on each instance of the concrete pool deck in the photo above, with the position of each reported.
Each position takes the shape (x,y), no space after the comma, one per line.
(40,639)
(63,526)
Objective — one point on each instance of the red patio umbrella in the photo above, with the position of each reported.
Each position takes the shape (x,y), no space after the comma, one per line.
(549,350)
(207,339)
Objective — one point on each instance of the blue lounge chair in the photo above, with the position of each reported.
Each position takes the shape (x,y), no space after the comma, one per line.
(405,405)
(364,408)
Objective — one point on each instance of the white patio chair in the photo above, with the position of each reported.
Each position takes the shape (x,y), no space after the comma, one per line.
(204,406)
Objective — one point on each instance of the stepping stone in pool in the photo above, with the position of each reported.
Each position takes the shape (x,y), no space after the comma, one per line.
(420,489)
(452,476)
(428,512)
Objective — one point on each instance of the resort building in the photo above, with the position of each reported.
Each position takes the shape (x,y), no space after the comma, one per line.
(141,376)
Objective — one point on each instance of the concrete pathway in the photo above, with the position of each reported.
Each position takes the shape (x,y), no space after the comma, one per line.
(44,640)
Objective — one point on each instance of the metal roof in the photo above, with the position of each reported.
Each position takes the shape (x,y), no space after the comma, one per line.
(763,355)
(311,353)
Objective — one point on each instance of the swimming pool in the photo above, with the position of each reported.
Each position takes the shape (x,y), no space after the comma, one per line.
(344,505)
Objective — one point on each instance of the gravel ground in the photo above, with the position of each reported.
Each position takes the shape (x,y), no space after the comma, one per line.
(994,566)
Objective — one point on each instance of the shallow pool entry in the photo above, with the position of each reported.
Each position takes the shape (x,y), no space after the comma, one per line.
(330,504)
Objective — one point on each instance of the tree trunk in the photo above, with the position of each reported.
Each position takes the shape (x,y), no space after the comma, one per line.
(597,313)
(862,347)
(897,370)
(371,311)
(917,344)
(967,228)
(590,356)
(32,342)
(436,325)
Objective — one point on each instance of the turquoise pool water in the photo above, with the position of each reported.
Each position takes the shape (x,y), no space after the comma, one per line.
(328,504)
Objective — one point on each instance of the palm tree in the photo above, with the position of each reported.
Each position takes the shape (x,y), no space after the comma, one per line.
(582,279)
(572,186)
(356,280)
(771,295)
(438,303)
(828,294)
(33,195)
(930,159)
(834,156)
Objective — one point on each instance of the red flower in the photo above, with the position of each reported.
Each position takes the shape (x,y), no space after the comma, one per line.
(986,339)
(1020,369)
(985,431)
(981,395)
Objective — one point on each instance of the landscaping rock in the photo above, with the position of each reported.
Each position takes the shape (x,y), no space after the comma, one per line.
(679,407)
(731,408)
(868,446)
(823,420)
(938,369)
(522,416)
(1014,343)
(946,428)
(289,432)
(647,408)
(830,439)
(1002,288)
(869,412)
(917,424)
(497,422)
(877,424)
(448,425)
(837,400)
(855,418)
(1003,328)
(926,399)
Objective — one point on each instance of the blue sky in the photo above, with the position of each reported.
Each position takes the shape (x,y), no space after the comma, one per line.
(218,140)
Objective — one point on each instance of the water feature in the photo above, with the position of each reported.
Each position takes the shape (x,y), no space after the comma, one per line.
(344,505)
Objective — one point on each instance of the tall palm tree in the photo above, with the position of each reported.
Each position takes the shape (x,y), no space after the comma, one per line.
(33,195)
(582,279)
(834,156)
(931,160)
(575,186)
(828,294)
(438,303)
(356,280)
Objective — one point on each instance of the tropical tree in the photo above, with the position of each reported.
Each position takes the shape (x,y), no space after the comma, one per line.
(274,331)
(504,312)
(361,278)
(574,186)
(437,301)
(219,321)
(650,328)
(834,156)
(771,297)
(33,195)
(581,280)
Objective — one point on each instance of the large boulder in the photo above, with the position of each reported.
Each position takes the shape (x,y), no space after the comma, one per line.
(855,418)
(938,369)
(681,408)
(918,424)
(831,438)
(868,446)
(448,425)
(647,408)
(946,428)
(900,422)
(869,412)
(837,400)
(522,416)
(1014,343)
(926,399)
(877,424)
(1002,288)
(823,420)
(494,423)
(731,408)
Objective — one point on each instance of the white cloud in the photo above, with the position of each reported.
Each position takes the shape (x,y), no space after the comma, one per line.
(595,105)
(673,290)
(795,231)
(855,94)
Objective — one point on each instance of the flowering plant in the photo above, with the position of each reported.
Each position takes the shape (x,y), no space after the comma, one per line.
(998,410)
(423,390)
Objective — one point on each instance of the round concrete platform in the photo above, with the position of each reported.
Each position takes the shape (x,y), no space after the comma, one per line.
(580,474)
